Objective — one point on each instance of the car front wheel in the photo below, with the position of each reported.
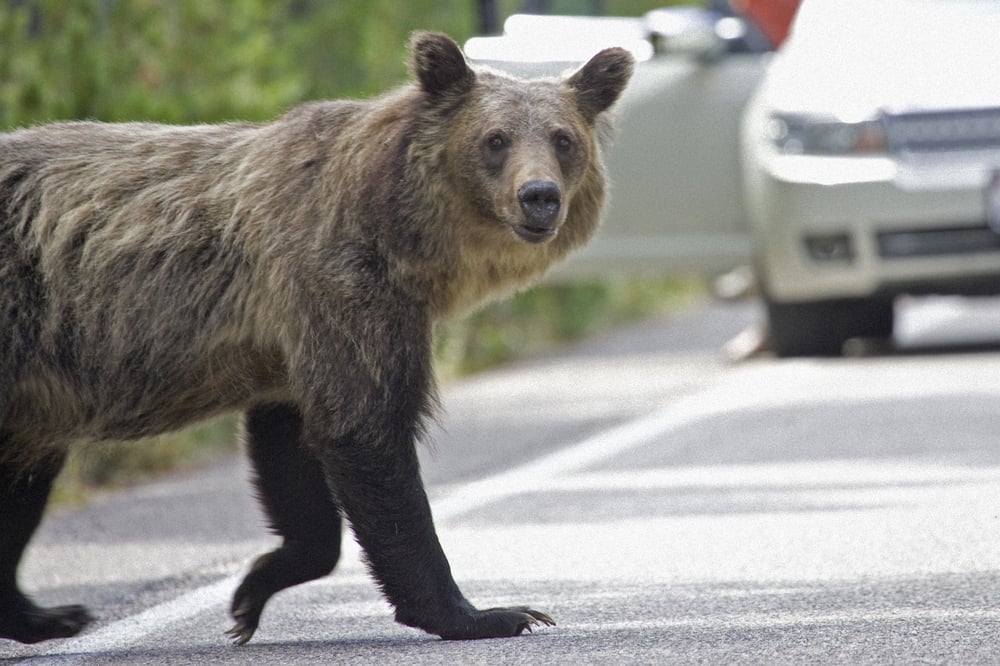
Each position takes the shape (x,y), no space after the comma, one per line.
(820,328)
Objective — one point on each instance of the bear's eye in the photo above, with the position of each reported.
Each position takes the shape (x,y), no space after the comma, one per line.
(496,141)
(563,142)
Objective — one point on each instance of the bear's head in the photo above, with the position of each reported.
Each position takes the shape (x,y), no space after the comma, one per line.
(522,155)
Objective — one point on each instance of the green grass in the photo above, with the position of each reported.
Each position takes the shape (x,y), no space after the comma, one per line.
(117,464)
(550,315)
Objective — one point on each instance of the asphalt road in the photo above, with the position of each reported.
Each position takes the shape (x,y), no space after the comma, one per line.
(663,504)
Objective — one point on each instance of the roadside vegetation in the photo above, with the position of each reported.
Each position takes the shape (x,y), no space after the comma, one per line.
(198,61)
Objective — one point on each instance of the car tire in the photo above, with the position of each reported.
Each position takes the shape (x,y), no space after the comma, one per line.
(820,328)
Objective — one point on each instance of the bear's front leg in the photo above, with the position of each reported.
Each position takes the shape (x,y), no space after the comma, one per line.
(380,490)
(363,407)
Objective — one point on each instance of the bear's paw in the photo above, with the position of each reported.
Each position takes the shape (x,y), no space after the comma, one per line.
(497,623)
(33,624)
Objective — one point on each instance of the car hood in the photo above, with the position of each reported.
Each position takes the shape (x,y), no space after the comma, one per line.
(854,58)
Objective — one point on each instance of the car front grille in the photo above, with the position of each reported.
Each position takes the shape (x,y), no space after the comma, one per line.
(940,131)
(937,242)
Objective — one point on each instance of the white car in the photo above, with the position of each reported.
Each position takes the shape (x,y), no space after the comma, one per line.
(871,160)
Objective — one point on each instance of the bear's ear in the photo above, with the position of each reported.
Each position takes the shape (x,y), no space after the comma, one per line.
(439,65)
(599,83)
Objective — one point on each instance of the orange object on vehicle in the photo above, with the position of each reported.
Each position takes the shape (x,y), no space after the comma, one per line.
(772,17)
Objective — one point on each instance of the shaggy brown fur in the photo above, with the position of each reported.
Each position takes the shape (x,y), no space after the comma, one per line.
(151,276)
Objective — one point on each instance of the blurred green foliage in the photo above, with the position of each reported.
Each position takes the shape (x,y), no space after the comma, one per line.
(553,314)
(191,61)
(115,464)
(185,61)
(196,61)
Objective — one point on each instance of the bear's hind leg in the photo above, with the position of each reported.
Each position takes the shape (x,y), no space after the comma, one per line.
(23,495)
(299,507)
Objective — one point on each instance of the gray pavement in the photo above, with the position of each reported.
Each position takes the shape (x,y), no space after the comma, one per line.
(663,505)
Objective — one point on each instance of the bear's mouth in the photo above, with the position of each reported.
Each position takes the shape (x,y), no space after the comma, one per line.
(534,234)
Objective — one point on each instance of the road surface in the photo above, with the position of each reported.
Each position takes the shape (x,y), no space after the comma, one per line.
(663,504)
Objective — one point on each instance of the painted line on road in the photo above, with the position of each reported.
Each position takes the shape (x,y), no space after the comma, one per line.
(600,447)
(128,631)
(121,634)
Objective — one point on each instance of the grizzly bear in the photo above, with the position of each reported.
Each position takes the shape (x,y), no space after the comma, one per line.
(152,276)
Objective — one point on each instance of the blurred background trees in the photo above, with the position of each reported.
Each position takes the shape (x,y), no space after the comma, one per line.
(189,61)
(186,61)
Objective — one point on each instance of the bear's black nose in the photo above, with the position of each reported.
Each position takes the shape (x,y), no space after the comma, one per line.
(540,200)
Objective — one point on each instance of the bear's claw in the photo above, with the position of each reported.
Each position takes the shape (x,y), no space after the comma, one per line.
(538,619)
(499,623)
(247,618)
(533,618)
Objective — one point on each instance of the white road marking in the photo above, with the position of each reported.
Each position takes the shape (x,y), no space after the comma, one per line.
(130,630)
(602,446)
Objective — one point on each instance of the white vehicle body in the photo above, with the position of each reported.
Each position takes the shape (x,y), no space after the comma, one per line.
(870,155)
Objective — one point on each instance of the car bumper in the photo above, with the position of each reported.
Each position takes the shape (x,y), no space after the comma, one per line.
(835,227)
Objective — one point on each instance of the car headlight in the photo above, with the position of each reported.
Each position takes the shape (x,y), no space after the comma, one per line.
(797,134)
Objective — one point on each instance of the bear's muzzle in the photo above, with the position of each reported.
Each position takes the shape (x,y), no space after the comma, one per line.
(540,201)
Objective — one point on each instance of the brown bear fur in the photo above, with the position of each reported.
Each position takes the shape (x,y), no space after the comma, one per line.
(152,276)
